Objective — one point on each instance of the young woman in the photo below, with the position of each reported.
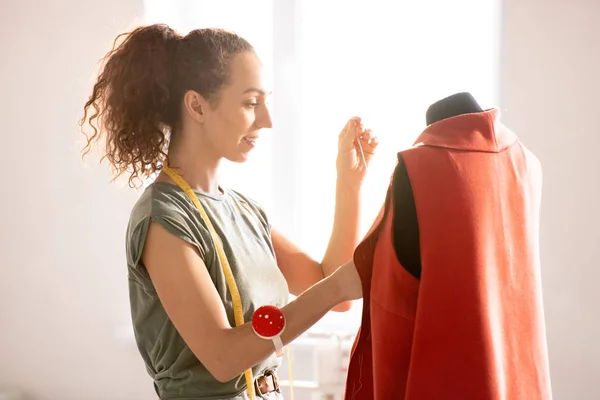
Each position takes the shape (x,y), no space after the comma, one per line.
(177,106)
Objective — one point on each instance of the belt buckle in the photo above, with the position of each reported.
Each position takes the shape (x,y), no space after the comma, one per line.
(266,383)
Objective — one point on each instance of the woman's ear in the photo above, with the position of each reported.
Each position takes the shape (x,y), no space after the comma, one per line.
(195,105)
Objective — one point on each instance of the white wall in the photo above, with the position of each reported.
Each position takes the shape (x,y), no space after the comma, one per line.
(63,283)
(63,286)
(550,91)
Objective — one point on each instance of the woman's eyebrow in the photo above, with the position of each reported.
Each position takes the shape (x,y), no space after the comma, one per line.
(259,91)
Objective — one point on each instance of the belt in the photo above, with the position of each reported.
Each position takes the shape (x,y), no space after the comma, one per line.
(266,383)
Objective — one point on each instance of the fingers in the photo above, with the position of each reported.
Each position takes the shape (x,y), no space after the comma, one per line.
(368,141)
(349,133)
(355,136)
(350,130)
(356,121)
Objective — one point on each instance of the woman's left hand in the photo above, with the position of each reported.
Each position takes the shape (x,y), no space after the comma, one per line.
(356,147)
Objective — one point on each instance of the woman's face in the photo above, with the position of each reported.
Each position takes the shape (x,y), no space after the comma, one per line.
(233,126)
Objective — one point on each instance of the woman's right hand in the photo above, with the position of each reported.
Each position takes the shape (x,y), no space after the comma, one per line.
(348,282)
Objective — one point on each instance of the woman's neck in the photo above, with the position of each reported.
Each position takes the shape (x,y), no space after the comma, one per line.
(200,171)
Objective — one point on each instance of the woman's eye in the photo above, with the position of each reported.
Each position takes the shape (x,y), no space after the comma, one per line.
(252,105)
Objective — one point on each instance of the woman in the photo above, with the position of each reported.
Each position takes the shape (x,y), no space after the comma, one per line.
(164,103)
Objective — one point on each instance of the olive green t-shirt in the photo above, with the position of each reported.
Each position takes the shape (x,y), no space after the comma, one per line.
(245,233)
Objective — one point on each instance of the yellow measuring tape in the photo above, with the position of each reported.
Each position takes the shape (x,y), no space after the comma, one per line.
(238,312)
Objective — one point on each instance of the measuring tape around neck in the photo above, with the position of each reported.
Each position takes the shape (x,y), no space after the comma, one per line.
(238,312)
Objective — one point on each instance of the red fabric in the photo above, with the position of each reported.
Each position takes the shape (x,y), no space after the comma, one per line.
(473,326)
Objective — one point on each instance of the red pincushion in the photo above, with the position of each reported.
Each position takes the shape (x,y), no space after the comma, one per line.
(268,322)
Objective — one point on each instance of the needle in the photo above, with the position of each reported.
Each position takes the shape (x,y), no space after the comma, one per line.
(362,154)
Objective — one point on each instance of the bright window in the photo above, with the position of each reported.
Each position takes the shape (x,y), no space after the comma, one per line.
(385,61)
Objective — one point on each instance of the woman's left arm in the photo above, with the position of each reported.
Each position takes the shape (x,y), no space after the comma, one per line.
(356,146)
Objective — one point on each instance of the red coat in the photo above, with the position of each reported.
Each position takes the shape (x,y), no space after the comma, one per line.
(472,327)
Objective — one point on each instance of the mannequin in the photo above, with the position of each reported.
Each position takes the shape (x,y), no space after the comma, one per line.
(451,106)
(406,228)
(452,302)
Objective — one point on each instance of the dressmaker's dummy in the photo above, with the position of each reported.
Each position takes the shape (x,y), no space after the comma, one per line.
(450,269)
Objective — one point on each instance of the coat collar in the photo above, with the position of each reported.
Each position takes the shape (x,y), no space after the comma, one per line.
(470,132)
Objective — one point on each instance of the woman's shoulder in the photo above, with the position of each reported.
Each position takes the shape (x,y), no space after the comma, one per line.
(167,206)
(157,200)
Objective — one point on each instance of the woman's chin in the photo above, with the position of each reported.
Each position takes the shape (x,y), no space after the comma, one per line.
(239,158)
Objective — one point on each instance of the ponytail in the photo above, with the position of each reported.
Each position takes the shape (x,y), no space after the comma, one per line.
(129,105)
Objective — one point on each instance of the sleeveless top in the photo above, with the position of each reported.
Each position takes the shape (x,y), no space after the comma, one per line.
(245,231)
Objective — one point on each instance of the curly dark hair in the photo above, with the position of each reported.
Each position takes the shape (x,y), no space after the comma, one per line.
(135,103)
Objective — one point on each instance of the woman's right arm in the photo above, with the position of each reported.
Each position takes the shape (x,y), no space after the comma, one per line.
(191,301)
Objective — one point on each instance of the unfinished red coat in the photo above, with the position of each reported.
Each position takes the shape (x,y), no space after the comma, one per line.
(472,327)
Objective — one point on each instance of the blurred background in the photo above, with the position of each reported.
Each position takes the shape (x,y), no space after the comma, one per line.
(65,330)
